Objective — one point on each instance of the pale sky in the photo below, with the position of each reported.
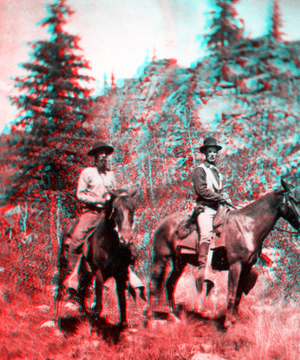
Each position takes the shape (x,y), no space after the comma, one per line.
(118,35)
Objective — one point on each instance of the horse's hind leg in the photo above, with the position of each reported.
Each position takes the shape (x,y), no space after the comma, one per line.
(156,286)
(171,283)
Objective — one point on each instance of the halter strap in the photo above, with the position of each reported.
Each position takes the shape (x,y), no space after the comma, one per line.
(292,233)
(286,203)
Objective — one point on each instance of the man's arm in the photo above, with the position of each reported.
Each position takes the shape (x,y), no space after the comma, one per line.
(112,185)
(112,180)
(200,185)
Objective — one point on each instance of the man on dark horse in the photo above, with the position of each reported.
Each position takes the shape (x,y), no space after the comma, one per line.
(92,193)
(208,188)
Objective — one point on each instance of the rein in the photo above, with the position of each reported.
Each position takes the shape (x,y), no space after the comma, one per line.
(292,233)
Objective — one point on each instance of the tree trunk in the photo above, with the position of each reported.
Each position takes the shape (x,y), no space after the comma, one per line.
(150,179)
(144,180)
(58,218)
(25,219)
(52,224)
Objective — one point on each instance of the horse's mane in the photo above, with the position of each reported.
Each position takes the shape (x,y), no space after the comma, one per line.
(274,194)
(124,199)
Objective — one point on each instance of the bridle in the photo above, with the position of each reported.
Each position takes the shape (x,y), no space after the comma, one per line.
(287,206)
(113,216)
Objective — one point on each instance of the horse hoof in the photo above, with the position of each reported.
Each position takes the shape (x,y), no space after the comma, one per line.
(123,325)
(229,323)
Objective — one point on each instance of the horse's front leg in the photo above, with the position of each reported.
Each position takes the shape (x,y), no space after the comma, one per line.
(82,294)
(171,283)
(233,282)
(247,281)
(156,301)
(98,294)
(121,287)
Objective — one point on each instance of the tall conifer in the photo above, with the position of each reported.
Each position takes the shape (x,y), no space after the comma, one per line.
(276,22)
(225,31)
(224,28)
(52,124)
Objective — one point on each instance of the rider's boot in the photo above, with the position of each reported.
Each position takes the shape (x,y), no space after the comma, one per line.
(203,252)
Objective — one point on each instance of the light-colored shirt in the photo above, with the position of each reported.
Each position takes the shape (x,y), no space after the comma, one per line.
(92,186)
(213,177)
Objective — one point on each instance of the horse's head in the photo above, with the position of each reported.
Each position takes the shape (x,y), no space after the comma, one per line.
(291,206)
(123,210)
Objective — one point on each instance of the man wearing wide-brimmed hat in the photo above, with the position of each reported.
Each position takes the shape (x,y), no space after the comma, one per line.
(208,185)
(92,193)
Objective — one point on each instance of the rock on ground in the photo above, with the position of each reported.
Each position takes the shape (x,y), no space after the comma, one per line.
(49,323)
(203,356)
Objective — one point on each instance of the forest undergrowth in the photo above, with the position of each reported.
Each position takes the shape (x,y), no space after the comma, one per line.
(266,329)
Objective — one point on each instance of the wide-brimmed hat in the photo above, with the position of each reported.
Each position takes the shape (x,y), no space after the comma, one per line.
(100,146)
(210,141)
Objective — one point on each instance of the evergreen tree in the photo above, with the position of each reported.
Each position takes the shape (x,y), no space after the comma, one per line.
(52,127)
(276,22)
(224,28)
(224,33)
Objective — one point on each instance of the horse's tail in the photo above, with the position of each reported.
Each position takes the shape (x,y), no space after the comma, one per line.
(165,238)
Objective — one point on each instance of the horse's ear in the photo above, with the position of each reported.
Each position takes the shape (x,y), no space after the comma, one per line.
(113,195)
(287,187)
(133,192)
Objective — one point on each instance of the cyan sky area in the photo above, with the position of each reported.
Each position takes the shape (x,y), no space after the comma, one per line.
(120,35)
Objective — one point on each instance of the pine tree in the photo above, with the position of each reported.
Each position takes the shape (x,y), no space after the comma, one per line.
(276,23)
(224,28)
(52,127)
(224,33)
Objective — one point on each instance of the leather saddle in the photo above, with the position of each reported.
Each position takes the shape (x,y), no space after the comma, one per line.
(184,242)
(188,243)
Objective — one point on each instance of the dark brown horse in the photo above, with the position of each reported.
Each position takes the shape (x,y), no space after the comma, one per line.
(110,253)
(244,232)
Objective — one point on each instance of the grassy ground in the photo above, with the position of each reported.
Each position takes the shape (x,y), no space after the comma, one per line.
(263,331)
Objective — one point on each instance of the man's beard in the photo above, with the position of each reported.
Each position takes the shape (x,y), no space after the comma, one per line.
(102,165)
